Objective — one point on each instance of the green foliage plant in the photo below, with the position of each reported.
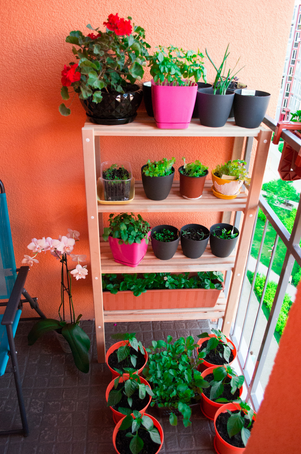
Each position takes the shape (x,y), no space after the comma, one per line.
(129,228)
(159,168)
(124,351)
(213,343)
(194,169)
(105,60)
(138,422)
(240,421)
(223,76)
(221,376)
(116,173)
(200,234)
(176,66)
(165,235)
(129,386)
(296,116)
(224,234)
(235,168)
(175,381)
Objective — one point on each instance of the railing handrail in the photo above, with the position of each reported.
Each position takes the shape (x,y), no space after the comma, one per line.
(287,136)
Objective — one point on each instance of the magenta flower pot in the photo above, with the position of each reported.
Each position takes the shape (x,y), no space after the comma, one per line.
(173,105)
(128,254)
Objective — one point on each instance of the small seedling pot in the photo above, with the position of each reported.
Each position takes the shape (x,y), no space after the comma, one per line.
(221,247)
(191,187)
(209,407)
(115,347)
(205,364)
(116,190)
(165,250)
(193,249)
(157,188)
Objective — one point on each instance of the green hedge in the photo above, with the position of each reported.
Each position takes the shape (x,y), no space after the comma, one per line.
(269,298)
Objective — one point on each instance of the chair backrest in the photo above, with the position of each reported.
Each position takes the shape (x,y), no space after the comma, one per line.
(8,273)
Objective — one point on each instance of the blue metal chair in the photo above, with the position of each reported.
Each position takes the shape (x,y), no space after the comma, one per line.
(12,290)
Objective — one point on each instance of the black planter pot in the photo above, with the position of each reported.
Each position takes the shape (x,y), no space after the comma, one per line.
(196,110)
(193,249)
(214,110)
(147,96)
(157,188)
(165,250)
(249,111)
(219,247)
(115,108)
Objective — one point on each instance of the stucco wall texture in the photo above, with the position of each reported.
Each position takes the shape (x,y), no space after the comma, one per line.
(41,152)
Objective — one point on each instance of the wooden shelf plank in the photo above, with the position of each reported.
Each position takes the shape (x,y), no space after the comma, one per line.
(176,203)
(146,126)
(179,263)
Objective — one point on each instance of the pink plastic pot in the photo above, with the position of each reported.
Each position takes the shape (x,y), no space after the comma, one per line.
(115,347)
(205,363)
(117,416)
(128,254)
(173,105)
(209,407)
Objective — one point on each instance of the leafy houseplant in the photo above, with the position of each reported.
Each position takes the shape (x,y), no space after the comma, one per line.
(228,178)
(223,239)
(116,179)
(224,234)
(129,432)
(71,331)
(192,179)
(128,238)
(165,235)
(218,350)
(157,178)
(175,75)
(176,383)
(108,63)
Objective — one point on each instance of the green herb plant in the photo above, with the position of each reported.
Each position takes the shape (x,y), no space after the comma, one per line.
(159,168)
(138,422)
(176,66)
(236,168)
(198,235)
(223,76)
(176,383)
(165,235)
(116,173)
(124,351)
(224,234)
(129,228)
(213,343)
(223,375)
(129,386)
(240,423)
(193,169)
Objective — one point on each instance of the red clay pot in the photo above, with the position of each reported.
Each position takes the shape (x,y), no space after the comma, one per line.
(156,424)
(209,407)
(191,187)
(205,363)
(115,347)
(117,416)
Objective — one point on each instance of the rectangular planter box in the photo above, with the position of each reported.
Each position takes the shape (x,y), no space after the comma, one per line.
(161,299)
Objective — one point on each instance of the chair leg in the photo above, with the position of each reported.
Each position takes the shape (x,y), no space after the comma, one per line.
(17,379)
(33,303)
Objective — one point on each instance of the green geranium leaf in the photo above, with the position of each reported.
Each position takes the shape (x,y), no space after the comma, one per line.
(65,93)
(97,97)
(64,110)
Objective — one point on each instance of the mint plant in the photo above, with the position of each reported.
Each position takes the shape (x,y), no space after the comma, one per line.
(224,234)
(213,344)
(176,383)
(165,235)
(159,168)
(124,351)
(193,169)
(221,376)
(236,168)
(137,423)
(176,66)
(240,422)
(129,228)
(128,388)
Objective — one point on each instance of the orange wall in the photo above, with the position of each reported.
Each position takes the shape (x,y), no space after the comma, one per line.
(277,429)
(41,153)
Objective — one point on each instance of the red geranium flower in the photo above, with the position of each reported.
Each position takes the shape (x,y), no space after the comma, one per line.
(118,25)
(93,36)
(69,75)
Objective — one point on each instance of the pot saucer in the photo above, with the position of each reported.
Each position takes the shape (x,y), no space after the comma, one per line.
(223,196)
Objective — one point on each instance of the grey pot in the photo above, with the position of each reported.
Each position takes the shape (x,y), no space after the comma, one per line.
(214,110)
(249,111)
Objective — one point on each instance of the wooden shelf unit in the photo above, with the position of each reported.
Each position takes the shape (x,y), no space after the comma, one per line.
(101,257)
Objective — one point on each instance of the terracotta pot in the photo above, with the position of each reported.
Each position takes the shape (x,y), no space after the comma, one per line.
(191,187)
(128,254)
(209,407)
(156,424)
(117,416)
(115,347)
(227,187)
(220,445)
(207,364)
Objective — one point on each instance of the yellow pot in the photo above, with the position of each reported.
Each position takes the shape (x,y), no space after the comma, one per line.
(226,188)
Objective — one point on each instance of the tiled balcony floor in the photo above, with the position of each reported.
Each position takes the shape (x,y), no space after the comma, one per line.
(66,409)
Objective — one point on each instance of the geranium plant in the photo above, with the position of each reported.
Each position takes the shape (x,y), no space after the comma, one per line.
(105,60)
(176,66)
(77,339)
